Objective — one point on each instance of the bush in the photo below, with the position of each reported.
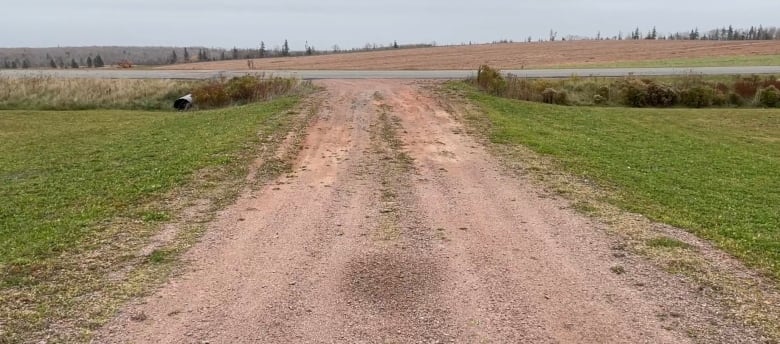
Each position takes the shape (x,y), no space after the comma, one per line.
(722,88)
(603,91)
(549,95)
(491,80)
(697,96)
(769,96)
(747,87)
(562,98)
(735,99)
(553,96)
(211,95)
(599,99)
(634,93)
(241,90)
(720,99)
(772,81)
(663,95)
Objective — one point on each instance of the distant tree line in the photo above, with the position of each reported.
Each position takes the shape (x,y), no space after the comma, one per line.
(98,57)
(726,33)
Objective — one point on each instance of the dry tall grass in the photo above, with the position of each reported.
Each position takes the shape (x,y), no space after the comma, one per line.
(48,93)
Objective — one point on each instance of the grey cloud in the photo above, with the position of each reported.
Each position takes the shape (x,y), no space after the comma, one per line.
(351,23)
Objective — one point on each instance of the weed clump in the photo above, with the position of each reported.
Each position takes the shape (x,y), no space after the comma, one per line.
(697,96)
(490,80)
(661,95)
(553,96)
(241,90)
(634,93)
(769,96)
(211,95)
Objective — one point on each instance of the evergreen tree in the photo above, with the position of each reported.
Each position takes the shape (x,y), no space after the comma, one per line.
(25,63)
(174,58)
(222,56)
(52,64)
(395,45)
(262,49)
(99,62)
(286,49)
(694,34)
(89,62)
(73,64)
(309,49)
(636,34)
(14,65)
(186,55)
(653,34)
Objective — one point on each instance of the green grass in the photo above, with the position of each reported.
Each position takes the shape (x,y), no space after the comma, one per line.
(715,172)
(63,174)
(720,61)
(666,242)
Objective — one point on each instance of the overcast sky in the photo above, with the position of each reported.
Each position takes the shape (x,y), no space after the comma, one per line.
(353,23)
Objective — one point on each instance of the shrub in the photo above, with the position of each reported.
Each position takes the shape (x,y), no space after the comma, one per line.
(697,96)
(491,80)
(603,91)
(211,95)
(599,99)
(242,89)
(772,81)
(769,96)
(747,87)
(722,88)
(720,99)
(634,93)
(562,98)
(735,99)
(659,94)
(549,95)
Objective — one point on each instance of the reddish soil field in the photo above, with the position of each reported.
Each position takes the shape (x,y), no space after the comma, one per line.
(504,56)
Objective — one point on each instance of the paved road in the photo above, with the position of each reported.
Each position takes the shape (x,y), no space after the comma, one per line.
(433,74)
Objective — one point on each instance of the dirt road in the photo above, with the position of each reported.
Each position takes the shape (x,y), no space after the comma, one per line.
(396,227)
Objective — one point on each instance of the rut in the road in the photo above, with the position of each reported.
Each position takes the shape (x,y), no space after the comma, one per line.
(397,282)
(396,227)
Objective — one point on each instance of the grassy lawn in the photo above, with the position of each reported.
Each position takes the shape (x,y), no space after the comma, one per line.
(64,173)
(715,172)
(720,61)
